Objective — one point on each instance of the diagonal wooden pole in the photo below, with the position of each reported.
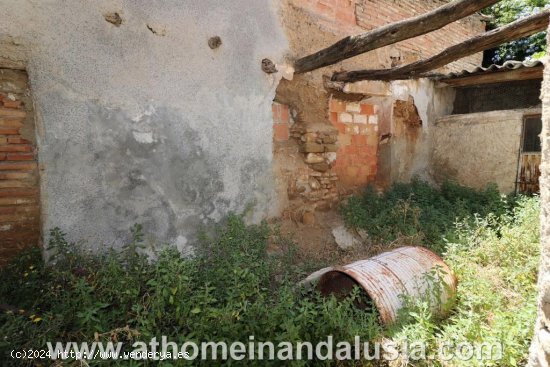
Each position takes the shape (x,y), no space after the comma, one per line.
(387,35)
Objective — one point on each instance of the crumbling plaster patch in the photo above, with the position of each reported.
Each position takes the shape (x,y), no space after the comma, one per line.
(431,103)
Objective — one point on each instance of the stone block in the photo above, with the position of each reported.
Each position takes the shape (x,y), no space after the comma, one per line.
(331,148)
(312,148)
(320,167)
(313,158)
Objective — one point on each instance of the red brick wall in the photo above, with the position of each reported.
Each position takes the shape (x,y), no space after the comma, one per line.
(354,16)
(339,11)
(19,194)
(281,122)
(357,124)
(375,13)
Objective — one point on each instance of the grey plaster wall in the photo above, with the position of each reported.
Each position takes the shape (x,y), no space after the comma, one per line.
(144,122)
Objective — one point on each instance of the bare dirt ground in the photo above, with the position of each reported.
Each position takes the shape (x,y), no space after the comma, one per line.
(315,243)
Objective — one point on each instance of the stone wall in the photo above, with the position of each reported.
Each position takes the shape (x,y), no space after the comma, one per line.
(303,158)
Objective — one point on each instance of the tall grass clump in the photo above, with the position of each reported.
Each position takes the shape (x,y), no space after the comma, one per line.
(496,262)
(230,290)
(233,288)
(420,212)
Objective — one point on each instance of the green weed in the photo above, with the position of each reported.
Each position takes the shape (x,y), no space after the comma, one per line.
(230,290)
(421,212)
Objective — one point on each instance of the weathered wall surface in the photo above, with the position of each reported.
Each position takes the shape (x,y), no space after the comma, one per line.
(143,122)
(360,115)
(478,149)
(418,104)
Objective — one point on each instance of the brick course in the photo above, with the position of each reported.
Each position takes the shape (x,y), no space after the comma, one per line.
(19,192)
(281,122)
(356,159)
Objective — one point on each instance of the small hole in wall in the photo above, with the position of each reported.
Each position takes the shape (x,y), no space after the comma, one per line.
(268,66)
(113,18)
(214,42)
(156,30)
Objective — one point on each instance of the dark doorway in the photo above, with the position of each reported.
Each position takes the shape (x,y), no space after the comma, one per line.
(530,156)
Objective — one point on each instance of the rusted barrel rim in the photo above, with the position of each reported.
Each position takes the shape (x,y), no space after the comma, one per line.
(388,315)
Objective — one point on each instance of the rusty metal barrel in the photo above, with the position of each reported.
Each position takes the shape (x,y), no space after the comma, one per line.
(391,277)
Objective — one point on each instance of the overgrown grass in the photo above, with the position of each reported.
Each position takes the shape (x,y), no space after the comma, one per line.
(421,211)
(230,291)
(496,262)
(233,289)
(491,243)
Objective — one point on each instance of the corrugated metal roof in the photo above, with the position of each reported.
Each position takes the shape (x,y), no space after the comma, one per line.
(508,65)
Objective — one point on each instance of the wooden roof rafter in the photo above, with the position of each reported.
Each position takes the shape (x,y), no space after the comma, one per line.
(509,72)
(392,33)
(515,30)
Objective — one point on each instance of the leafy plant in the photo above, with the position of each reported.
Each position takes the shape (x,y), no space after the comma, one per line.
(424,214)
(507,11)
(233,288)
(230,290)
(496,299)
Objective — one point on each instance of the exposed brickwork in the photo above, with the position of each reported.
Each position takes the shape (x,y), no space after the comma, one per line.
(304,158)
(339,11)
(319,162)
(281,122)
(356,16)
(19,193)
(332,147)
(357,124)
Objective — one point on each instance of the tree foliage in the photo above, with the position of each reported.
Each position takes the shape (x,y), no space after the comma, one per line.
(507,11)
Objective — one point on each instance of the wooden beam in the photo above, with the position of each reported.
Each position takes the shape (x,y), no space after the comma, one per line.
(392,33)
(490,77)
(518,29)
